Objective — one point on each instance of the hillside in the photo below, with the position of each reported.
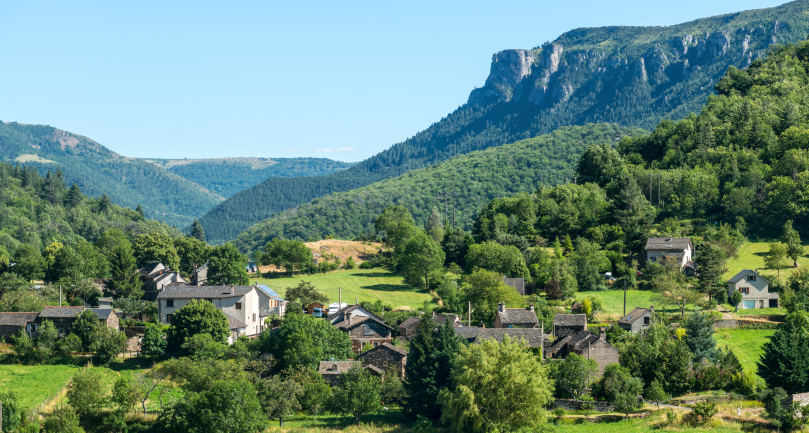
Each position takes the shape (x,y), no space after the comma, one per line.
(98,170)
(476,178)
(632,76)
(227,176)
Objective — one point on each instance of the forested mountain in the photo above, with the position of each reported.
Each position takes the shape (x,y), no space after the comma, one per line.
(98,170)
(475,179)
(632,76)
(37,211)
(227,176)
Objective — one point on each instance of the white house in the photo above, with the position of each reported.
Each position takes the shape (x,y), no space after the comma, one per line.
(678,249)
(754,289)
(270,302)
(240,304)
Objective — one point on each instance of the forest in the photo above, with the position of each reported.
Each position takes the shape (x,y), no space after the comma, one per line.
(631,76)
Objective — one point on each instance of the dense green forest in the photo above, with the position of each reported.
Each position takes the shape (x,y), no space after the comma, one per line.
(227,176)
(475,178)
(632,76)
(38,211)
(98,170)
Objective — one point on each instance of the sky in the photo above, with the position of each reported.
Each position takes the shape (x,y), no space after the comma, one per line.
(339,80)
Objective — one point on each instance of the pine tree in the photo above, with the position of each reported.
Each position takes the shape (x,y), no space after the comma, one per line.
(125,280)
(197,231)
(792,239)
(435,228)
(699,337)
(140,212)
(711,261)
(74,196)
(432,354)
(632,211)
(105,203)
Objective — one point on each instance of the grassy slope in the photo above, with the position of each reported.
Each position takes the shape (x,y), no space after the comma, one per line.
(365,284)
(614,303)
(751,256)
(745,343)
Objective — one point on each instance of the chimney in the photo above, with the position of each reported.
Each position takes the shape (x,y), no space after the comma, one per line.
(501,307)
(602,333)
(531,308)
(348,318)
(652,308)
(232,290)
(340,297)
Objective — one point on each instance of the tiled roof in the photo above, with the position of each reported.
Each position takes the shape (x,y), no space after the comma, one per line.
(667,243)
(634,315)
(17,319)
(387,346)
(570,320)
(533,336)
(738,277)
(103,313)
(203,292)
(61,311)
(518,315)
(336,367)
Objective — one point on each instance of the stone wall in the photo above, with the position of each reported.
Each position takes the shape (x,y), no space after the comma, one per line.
(385,359)
(567,404)
(6,331)
(723,324)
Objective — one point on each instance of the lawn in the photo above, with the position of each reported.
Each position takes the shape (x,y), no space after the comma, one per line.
(364,284)
(34,384)
(379,421)
(655,424)
(614,302)
(745,343)
(751,256)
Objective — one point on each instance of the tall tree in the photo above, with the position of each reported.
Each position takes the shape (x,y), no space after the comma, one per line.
(699,337)
(304,294)
(672,289)
(304,341)
(421,258)
(227,266)
(711,261)
(435,227)
(785,361)
(573,376)
(397,224)
(792,239)
(287,254)
(197,231)
(429,365)
(28,263)
(357,394)
(456,244)
(506,260)
(279,397)
(485,290)
(124,280)
(776,257)
(197,317)
(74,196)
(192,252)
(631,211)
(104,203)
(156,247)
(522,389)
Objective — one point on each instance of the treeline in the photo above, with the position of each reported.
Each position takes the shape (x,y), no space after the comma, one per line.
(458,187)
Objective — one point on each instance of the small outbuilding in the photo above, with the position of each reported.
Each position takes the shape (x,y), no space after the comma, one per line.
(637,319)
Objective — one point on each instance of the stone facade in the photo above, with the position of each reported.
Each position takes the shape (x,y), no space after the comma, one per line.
(12,323)
(386,357)
(239,303)
(368,332)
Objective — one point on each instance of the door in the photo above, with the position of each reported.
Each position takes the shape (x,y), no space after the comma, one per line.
(749,305)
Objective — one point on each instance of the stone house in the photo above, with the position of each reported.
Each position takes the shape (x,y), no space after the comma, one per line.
(63,317)
(240,304)
(108,317)
(637,319)
(155,277)
(679,250)
(200,277)
(566,323)
(586,344)
(408,327)
(332,371)
(362,326)
(517,283)
(754,289)
(386,357)
(535,338)
(515,317)
(12,323)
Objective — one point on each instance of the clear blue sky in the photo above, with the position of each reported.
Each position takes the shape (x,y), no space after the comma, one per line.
(342,80)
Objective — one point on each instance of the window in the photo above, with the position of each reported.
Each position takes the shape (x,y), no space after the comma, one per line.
(745,290)
(238,305)
(654,259)
(168,318)
(751,278)
(646,321)
(376,343)
(169,303)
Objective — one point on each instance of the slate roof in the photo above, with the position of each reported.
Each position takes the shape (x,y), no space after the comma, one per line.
(440,319)
(103,313)
(234,323)
(350,308)
(374,369)
(355,321)
(17,319)
(149,269)
(468,332)
(740,276)
(533,336)
(570,320)
(336,367)
(518,315)
(61,311)
(104,299)
(634,315)
(203,292)
(411,322)
(387,346)
(667,243)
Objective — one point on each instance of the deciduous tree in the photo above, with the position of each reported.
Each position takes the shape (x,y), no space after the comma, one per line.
(197,317)
(279,397)
(227,266)
(357,394)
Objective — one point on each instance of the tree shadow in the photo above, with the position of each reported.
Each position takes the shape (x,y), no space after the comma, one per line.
(390,288)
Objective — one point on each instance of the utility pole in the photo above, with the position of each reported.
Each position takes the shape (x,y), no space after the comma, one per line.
(565,180)
(624,298)
(60,299)
(575,178)
(650,188)
(469,314)
(659,175)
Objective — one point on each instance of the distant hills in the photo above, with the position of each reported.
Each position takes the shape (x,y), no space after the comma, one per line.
(227,176)
(475,178)
(630,76)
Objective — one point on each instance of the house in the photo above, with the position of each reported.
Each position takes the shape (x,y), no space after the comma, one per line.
(240,304)
(362,326)
(104,302)
(200,277)
(534,337)
(565,323)
(515,317)
(386,357)
(754,289)
(585,344)
(12,323)
(680,250)
(155,277)
(63,317)
(408,328)
(637,319)
(517,283)
(470,333)
(108,317)
(332,370)
(270,302)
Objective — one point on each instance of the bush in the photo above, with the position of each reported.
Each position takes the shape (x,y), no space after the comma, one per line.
(68,345)
(703,412)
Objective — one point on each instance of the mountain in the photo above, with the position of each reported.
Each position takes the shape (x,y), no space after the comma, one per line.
(632,76)
(227,176)
(476,178)
(97,170)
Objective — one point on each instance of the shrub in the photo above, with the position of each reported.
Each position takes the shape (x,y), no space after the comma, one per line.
(703,412)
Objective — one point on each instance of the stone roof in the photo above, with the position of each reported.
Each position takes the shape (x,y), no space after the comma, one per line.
(336,367)
(440,319)
(738,277)
(350,308)
(634,315)
(570,320)
(533,336)
(17,319)
(387,346)
(467,332)
(60,311)
(518,315)
(668,243)
(234,323)
(103,313)
(356,321)
(150,268)
(410,323)
(204,292)
(165,275)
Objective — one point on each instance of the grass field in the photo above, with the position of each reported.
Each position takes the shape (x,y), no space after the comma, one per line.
(365,284)
(614,303)
(653,424)
(751,256)
(745,343)
(34,384)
